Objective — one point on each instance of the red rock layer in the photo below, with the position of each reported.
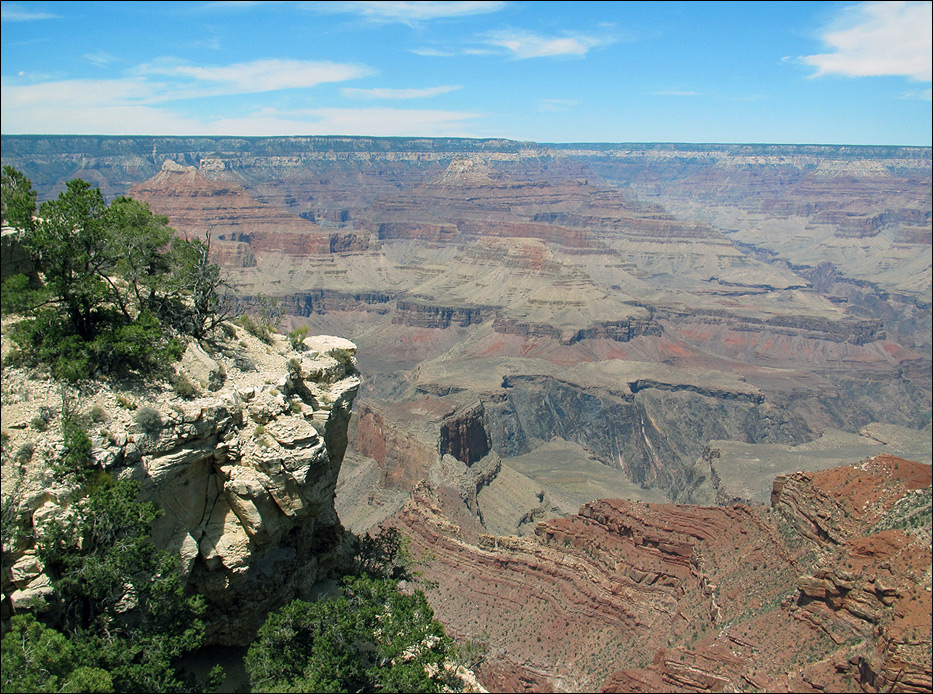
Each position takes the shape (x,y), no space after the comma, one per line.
(195,205)
(813,594)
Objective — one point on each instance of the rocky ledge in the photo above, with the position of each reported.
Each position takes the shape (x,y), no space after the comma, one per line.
(245,472)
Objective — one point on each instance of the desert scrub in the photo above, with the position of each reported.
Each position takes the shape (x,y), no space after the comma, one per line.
(99,415)
(911,513)
(149,419)
(25,452)
(297,336)
(183,386)
(258,330)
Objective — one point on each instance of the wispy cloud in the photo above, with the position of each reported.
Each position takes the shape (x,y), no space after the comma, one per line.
(879,38)
(408,12)
(14,12)
(265,75)
(132,103)
(92,109)
(381,93)
(918,94)
(675,92)
(556,105)
(100,58)
(528,44)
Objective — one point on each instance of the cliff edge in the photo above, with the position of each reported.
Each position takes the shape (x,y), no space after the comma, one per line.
(242,458)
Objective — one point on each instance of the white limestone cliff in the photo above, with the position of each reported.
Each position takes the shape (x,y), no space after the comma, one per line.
(245,473)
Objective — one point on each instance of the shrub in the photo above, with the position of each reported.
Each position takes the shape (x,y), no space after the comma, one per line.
(261,331)
(398,645)
(99,556)
(99,415)
(149,419)
(116,280)
(125,402)
(297,336)
(25,452)
(76,461)
(183,386)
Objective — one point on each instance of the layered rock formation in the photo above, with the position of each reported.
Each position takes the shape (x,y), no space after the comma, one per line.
(635,304)
(826,590)
(245,473)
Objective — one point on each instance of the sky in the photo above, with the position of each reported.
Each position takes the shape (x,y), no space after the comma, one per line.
(758,72)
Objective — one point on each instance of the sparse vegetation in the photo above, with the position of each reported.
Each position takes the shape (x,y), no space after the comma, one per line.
(99,415)
(25,452)
(911,513)
(126,402)
(261,331)
(183,387)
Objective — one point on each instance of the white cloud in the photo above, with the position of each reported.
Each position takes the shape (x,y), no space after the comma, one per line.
(79,93)
(409,12)
(14,12)
(527,44)
(129,107)
(378,93)
(105,107)
(879,38)
(433,53)
(260,75)
(556,105)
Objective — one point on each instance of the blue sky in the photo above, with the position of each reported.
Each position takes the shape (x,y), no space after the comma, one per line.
(781,72)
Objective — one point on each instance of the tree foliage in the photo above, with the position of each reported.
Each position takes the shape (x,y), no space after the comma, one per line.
(122,616)
(17,199)
(118,284)
(372,637)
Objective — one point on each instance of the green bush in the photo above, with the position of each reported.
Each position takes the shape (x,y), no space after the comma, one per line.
(370,638)
(297,336)
(99,415)
(262,331)
(124,617)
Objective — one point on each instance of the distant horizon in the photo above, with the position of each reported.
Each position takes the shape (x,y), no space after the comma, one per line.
(833,73)
(672,143)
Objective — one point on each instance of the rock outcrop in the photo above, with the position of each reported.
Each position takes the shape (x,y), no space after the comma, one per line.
(245,473)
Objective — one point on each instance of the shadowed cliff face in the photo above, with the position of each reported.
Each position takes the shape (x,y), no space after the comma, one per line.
(640,301)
